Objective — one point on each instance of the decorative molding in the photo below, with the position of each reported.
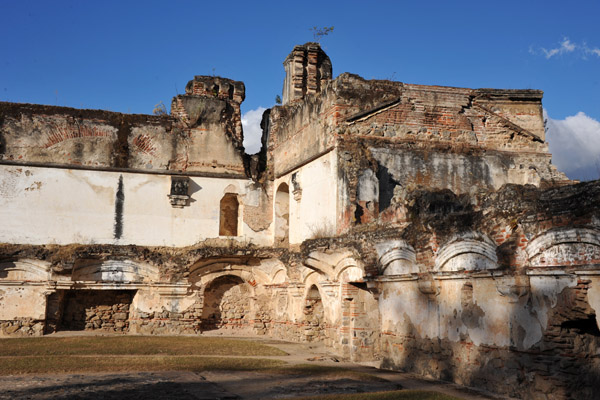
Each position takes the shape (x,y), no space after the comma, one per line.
(479,250)
(397,257)
(331,289)
(552,238)
(179,191)
(428,286)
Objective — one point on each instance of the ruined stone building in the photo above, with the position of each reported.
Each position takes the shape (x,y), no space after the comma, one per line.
(422,226)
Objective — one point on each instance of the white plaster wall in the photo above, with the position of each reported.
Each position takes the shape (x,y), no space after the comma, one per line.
(490,327)
(61,206)
(498,320)
(148,300)
(404,308)
(315,213)
(22,302)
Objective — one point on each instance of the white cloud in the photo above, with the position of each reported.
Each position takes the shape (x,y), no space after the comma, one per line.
(589,50)
(566,46)
(575,145)
(252,132)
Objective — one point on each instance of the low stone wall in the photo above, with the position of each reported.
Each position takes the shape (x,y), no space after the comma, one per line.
(21,327)
(106,310)
(165,322)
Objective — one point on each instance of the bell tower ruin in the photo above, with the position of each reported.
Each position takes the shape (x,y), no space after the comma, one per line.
(307,68)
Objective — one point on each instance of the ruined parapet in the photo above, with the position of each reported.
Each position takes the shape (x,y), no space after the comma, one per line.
(214,86)
(307,68)
(212,99)
(209,112)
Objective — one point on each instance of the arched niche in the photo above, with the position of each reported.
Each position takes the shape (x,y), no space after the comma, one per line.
(25,270)
(564,246)
(229,209)
(314,315)
(227,303)
(330,263)
(396,257)
(282,215)
(114,271)
(469,251)
(250,270)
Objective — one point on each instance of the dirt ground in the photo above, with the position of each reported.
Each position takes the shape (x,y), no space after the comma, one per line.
(181,385)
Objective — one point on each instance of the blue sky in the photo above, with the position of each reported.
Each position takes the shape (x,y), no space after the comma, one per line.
(127,56)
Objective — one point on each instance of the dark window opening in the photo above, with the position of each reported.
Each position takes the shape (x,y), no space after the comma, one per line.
(228,222)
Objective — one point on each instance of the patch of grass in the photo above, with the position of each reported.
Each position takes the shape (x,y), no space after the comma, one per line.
(19,365)
(83,354)
(393,395)
(79,364)
(134,345)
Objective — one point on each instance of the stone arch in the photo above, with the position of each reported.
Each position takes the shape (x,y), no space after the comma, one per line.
(25,270)
(282,215)
(203,272)
(397,257)
(280,276)
(348,270)
(331,263)
(229,209)
(470,251)
(245,276)
(227,303)
(271,271)
(309,275)
(314,315)
(114,271)
(564,246)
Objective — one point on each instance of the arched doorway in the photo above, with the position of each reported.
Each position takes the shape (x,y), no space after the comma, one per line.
(282,215)
(314,316)
(227,304)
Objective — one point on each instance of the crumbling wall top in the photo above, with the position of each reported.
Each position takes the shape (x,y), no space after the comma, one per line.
(215,86)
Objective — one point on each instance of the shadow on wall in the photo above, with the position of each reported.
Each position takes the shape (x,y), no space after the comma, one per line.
(554,340)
